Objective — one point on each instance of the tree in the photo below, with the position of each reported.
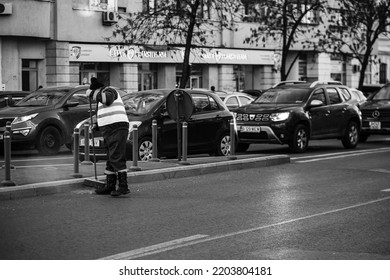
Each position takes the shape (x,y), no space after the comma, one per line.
(177,23)
(287,23)
(357,27)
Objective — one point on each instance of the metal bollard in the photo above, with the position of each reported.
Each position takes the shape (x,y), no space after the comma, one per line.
(184,145)
(7,160)
(86,160)
(8,128)
(76,142)
(135,166)
(154,142)
(232,141)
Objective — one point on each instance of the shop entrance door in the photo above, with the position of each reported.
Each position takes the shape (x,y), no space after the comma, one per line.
(145,80)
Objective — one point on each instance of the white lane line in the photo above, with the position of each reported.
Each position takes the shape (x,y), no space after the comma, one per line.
(176,244)
(380,170)
(154,249)
(339,155)
(385,190)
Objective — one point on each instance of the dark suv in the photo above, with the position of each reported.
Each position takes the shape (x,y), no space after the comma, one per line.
(376,114)
(292,113)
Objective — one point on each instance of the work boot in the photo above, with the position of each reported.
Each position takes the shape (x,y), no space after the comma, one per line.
(122,185)
(110,185)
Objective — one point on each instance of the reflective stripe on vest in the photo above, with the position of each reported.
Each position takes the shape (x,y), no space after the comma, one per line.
(112,114)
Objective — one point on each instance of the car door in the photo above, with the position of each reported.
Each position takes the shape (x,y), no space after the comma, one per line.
(320,116)
(337,111)
(204,123)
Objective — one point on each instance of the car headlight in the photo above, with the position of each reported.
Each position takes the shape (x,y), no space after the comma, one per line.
(24,118)
(277,117)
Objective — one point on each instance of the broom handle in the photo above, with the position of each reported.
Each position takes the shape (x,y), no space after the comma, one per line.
(93,139)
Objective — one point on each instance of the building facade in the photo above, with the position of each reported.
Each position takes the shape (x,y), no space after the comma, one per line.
(64,42)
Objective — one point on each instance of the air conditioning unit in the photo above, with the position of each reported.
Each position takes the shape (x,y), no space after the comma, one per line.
(109,18)
(5,9)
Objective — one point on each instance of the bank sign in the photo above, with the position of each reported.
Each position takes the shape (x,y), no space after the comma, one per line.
(137,54)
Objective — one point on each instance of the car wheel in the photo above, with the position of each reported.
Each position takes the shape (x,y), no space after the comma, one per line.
(242,147)
(49,141)
(363,137)
(351,137)
(300,139)
(145,149)
(223,145)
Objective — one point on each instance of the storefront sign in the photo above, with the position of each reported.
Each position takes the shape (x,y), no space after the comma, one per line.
(136,54)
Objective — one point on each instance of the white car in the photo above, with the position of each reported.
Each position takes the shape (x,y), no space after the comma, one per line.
(235,99)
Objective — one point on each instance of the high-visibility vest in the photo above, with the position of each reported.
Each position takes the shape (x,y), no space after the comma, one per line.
(111,114)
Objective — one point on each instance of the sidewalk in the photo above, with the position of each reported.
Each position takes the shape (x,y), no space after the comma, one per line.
(41,180)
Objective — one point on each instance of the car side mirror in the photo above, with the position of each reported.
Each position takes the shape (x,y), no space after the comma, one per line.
(316,103)
(71,104)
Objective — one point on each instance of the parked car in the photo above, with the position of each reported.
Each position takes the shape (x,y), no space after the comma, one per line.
(45,119)
(376,114)
(235,99)
(208,127)
(353,96)
(9,98)
(294,113)
(253,92)
(369,89)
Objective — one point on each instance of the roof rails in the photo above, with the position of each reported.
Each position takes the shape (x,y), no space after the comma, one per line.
(288,82)
(313,84)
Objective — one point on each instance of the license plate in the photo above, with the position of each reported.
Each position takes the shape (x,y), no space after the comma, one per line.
(96,142)
(255,129)
(375,125)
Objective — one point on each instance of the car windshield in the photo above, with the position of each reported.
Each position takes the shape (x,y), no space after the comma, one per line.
(382,94)
(141,103)
(283,96)
(42,98)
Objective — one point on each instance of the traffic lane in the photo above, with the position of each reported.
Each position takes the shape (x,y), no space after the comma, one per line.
(80,225)
(357,233)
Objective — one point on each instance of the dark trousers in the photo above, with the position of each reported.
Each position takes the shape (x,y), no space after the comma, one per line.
(115,140)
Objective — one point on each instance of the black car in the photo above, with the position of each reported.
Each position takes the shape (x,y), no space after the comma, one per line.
(208,127)
(293,113)
(376,114)
(9,98)
(45,119)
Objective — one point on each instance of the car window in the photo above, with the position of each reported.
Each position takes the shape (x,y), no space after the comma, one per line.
(283,96)
(204,103)
(382,94)
(42,98)
(141,103)
(245,100)
(346,94)
(79,97)
(231,101)
(319,95)
(334,97)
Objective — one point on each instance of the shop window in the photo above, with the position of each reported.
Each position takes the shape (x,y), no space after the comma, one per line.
(239,76)
(147,76)
(195,79)
(99,70)
(29,75)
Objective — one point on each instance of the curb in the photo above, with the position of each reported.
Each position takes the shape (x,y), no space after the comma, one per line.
(46,188)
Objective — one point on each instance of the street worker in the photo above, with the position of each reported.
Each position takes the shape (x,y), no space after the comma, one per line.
(113,124)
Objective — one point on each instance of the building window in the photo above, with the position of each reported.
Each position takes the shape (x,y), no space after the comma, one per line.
(302,65)
(239,76)
(29,74)
(100,70)
(195,80)
(148,5)
(383,73)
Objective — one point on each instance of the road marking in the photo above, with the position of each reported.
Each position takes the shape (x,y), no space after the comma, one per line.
(198,239)
(385,190)
(154,249)
(338,155)
(380,170)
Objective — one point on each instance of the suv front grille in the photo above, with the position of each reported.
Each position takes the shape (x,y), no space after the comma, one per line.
(253,117)
(383,115)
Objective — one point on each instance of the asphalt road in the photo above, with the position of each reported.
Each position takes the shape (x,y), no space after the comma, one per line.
(329,203)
